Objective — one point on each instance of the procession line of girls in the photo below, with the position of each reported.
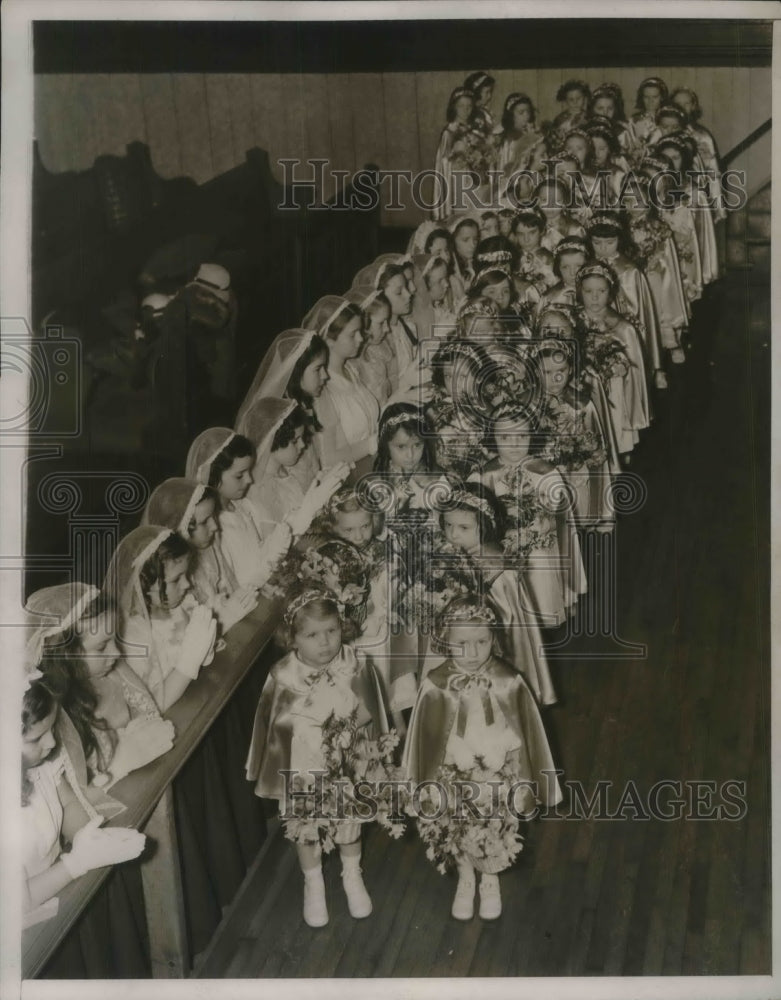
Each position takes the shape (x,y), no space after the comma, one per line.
(411,472)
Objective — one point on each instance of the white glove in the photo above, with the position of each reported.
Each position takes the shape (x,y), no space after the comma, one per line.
(139,742)
(317,496)
(96,848)
(237,606)
(197,648)
(273,549)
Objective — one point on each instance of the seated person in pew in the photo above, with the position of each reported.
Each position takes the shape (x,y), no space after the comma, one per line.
(56,812)
(110,708)
(166,635)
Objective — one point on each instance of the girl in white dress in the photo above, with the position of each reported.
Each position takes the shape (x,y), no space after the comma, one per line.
(224,460)
(55,809)
(165,634)
(346,409)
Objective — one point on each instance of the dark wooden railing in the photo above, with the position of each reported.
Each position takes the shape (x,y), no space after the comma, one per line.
(750,139)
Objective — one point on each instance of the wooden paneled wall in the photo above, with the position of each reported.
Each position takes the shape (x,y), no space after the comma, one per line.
(200,125)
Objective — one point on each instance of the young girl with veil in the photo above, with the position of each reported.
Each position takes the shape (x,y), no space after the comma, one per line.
(346,409)
(476,720)
(278,429)
(110,708)
(319,720)
(390,274)
(224,460)
(56,811)
(192,510)
(294,367)
(651,95)
(164,633)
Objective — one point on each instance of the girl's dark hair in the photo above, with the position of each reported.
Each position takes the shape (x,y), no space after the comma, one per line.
(449,353)
(237,447)
(606,132)
(530,218)
(456,96)
(537,438)
(378,300)
(487,277)
(565,88)
(319,609)
(507,114)
(38,702)
(588,164)
(652,81)
(613,91)
(670,110)
(153,571)
(209,493)
(286,431)
(317,348)
(442,234)
(584,249)
(683,148)
(392,271)
(484,79)
(338,323)
(493,526)
(415,423)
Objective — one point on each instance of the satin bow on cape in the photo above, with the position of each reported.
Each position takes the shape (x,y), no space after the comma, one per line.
(462,682)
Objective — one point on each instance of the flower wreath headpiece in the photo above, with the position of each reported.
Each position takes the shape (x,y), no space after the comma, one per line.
(400,418)
(597,268)
(308,597)
(570,244)
(606,221)
(466,499)
(472,612)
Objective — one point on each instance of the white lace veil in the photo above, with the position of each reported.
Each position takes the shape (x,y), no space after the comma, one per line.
(52,612)
(172,504)
(203,451)
(323,313)
(274,371)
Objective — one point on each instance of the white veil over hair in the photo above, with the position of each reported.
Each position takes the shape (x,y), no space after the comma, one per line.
(274,371)
(65,603)
(203,451)
(261,421)
(172,505)
(323,313)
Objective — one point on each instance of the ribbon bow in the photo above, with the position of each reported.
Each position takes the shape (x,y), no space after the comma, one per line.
(463,682)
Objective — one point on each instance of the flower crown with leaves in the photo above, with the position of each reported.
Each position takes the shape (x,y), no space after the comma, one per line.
(400,418)
(471,612)
(605,220)
(570,244)
(597,268)
(466,499)
(308,596)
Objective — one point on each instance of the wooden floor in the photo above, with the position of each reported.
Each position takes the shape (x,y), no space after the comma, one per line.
(621,897)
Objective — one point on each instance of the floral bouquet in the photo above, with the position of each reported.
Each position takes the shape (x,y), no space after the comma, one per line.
(314,813)
(605,356)
(474,151)
(443,573)
(569,444)
(531,525)
(491,843)
(649,238)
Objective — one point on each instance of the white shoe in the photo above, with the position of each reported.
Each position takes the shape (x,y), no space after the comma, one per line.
(677,356)
(358,900)
(490,897)
(464,900)
(315,909)
(660,380)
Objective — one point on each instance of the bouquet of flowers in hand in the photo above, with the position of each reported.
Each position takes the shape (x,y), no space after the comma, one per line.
(474,151)
(605,356)
(491,842)
(532,525)
(443,573)
(313,815)
(649,238)
(570,445)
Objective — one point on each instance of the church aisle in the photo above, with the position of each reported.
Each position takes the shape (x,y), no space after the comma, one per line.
(626,896)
